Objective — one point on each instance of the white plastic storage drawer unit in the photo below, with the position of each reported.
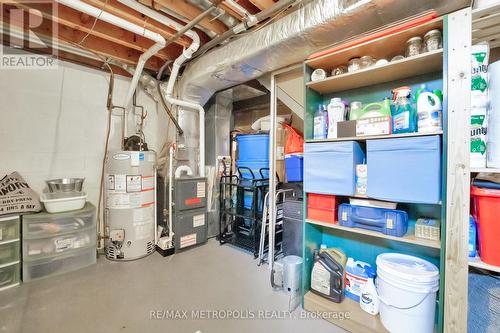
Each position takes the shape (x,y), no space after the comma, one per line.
(48,225)
(58,243)
(9,228)
(9,276)
(330,167)
(9,252)
(50,266)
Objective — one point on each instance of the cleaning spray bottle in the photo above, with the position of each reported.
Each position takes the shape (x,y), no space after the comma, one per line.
(320,130)
(368,300)
(404,115)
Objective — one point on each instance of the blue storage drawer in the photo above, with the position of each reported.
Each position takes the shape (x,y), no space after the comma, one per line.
(405,169)
(391,222)
(330,167)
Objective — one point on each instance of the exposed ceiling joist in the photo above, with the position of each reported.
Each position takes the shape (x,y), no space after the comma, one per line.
(75,20)
(190,11)
(116,8)
(262,4)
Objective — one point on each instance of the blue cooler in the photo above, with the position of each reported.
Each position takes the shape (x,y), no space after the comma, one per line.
(405,169)
(294,167)
(390,222)
(330,167)
(253,146)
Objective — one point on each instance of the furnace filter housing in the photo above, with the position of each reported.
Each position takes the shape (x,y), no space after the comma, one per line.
(130,194)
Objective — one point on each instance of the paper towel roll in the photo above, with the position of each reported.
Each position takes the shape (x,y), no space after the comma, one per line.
(494,116)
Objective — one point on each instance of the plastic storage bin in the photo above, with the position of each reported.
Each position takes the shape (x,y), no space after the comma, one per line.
(59,244)
(294,167)
(486,209)
(48,225)
(330,167)
(57,265)
(253,146)
(322,207)
(9,253)
(9,276)
(405,169)
(387,221)
(9,228)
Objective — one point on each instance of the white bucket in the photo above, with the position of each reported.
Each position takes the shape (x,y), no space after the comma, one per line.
(407,288)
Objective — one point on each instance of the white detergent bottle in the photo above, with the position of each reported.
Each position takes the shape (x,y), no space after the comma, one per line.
(429,111)
(336,114)
(368,300)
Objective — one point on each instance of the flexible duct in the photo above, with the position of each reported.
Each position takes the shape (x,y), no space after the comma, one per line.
(186,54)
(291,39)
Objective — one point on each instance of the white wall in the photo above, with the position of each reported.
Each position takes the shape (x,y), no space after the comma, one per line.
(53,123)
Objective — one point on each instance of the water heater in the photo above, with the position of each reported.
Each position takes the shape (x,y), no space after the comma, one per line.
(130,201)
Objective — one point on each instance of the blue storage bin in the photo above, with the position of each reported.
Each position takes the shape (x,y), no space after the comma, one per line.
(255,166)
(294,167)
(387,221)
(330,167)
(405,169)
(253,146)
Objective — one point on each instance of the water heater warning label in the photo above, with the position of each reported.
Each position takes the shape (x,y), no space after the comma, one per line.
(134,183)
(117,183)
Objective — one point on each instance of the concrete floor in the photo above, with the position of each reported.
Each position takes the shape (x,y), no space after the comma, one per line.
(120,297)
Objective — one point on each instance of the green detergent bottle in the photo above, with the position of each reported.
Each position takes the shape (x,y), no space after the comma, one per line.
(404,115)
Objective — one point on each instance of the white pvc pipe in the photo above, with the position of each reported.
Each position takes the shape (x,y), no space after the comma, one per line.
(186,54)
(170,187)
(124,24)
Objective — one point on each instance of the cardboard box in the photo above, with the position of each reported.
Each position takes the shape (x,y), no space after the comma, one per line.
(374,126)
(346,129)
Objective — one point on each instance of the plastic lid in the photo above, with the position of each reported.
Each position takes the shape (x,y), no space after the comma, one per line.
(336,100)
(322,246)
(484,192)
(407,269)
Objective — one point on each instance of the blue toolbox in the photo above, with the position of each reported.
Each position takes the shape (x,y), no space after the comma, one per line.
(391,222)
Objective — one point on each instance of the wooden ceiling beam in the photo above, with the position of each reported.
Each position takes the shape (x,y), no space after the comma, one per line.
(93,43)
(116,8)
(190,11)
(262,4)
(74,19)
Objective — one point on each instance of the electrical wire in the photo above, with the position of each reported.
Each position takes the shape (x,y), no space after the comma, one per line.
(93,25)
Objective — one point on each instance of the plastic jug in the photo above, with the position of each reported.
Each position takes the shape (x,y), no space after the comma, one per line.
(356,277)
(378,109)
(327,276)
(320,123)
(429,111)
(336,114)
(368,300)
(404,116)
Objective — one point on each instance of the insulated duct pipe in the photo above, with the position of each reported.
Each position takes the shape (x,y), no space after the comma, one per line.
(250,22)
(186,54)
(124,24)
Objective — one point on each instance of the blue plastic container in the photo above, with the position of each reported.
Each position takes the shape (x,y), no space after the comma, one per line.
(330,167)
(405,169)
(390,222)
(255,167)
(294,167)
(472,237)
(253,147)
